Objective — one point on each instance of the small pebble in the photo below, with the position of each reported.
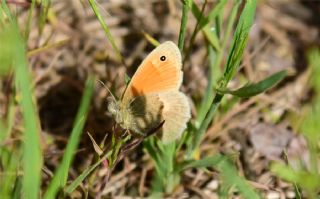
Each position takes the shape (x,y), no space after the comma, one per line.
(290,194)
(273,195)
(213,185)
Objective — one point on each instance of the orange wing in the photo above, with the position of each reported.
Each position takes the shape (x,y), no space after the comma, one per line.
(159,72)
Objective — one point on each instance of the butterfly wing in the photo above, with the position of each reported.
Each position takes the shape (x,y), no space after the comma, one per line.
(153,96)
(160,71)
(176,113)
(146,113)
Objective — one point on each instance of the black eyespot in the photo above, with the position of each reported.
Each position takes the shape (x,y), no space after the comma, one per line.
(163,58)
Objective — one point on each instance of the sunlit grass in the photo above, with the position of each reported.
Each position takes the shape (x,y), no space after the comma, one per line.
(13,51)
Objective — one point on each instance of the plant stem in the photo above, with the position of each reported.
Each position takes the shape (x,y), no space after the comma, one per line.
(29,20)
(183,26)
(195,31)
(204,125)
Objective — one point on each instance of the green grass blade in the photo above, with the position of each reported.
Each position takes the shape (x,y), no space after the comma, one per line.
(310,127)
(8,38)
(18,186)
(195,31)
(204,125)
(60,178)
(10,120)
(231,177)
(250,90)
(307,180)
(30,17)
(186,5)
(45,4)
(84,174)
(214,73)
(150,147)
(239,41)
(5,11)
(201,19)
(203,163)
(212,38)
(204,22)
(169,152)
(15,55)
(314,62)
(10,168)
(32,156)
(163,156)
(106,30)
(213,13)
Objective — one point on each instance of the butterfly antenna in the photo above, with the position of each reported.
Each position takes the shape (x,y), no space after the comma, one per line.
(103,84)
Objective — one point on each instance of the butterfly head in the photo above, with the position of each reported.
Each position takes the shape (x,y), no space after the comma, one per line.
(120,113)
(114,109)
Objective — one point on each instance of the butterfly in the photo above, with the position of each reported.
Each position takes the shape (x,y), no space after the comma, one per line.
(152,96)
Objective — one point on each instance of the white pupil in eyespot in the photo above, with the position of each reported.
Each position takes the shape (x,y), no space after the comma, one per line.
(163,58)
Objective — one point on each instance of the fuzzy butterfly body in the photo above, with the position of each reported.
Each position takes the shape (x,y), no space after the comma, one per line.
(153,97)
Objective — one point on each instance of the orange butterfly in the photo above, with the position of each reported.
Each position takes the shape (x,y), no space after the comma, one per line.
(153,97)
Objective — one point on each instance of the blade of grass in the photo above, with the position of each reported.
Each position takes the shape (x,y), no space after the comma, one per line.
(203,163)
(28,24)
(5,12)
(314,62)
(186,5)
(150,39)
(310,126)
(214,73)
(212,14)
(165,180)
(230,176)
(9,158)
(8,37)
(307,180)
(156,156)
(17,189)
(32,156)
(10,121)
(239,41)
(204,22)
(195,31)
(47,47)
(84,174)
(212,38)
(9,177)
(60,178)
(106,30)
(250,90)
(45,4)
